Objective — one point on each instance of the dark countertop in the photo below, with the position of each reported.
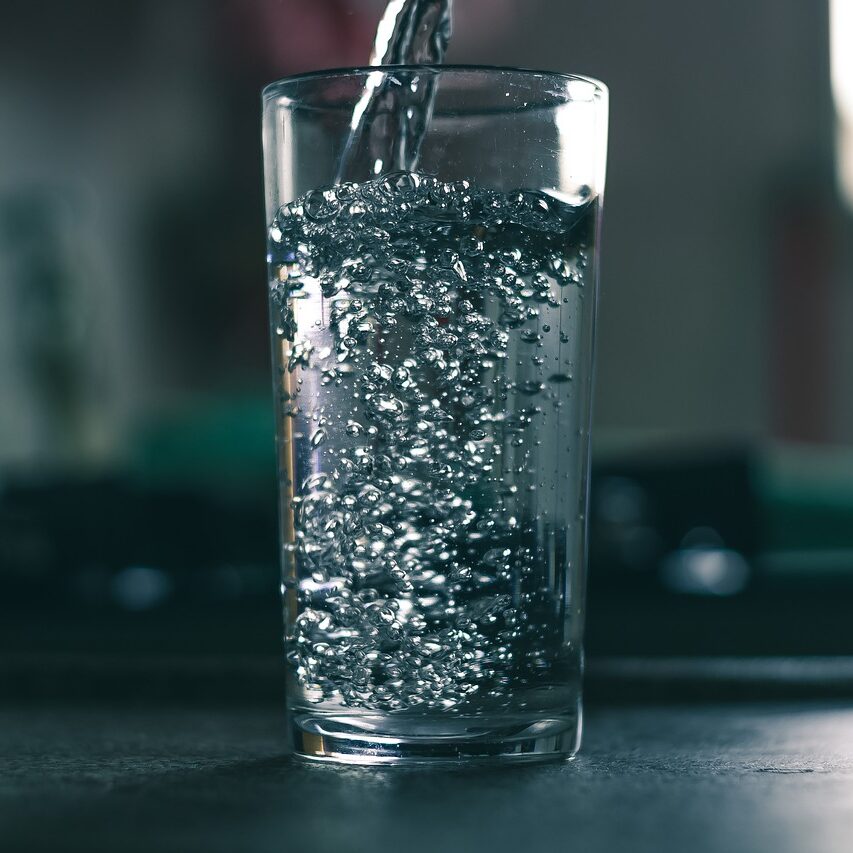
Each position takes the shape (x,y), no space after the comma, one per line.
(700,777)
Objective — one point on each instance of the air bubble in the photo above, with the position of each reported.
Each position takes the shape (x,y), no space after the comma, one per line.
(321,205)
(422,580)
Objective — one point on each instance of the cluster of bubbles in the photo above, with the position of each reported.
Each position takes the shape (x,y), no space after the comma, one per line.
(417,580)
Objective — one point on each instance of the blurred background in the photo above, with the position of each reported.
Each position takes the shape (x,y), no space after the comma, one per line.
(137,493)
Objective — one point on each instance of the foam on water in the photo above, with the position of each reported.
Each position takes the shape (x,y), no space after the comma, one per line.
(416,381)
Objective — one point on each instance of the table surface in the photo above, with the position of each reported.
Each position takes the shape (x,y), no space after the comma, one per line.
(727,777)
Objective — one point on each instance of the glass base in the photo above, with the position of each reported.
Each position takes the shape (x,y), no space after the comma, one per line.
(386,739)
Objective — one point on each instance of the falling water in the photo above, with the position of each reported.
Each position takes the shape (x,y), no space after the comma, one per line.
(390,119)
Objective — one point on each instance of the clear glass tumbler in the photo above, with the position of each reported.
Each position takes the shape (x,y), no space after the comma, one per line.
(432,335)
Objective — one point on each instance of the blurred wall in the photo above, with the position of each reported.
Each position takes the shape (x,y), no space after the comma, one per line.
(719,113)
(130,155)
(104,106)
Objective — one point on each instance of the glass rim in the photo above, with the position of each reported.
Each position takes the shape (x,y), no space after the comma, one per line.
(274,88)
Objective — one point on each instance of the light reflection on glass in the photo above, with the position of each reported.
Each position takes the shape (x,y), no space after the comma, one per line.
(841,69)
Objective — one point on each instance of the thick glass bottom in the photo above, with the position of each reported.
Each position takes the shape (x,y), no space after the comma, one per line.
(352,738)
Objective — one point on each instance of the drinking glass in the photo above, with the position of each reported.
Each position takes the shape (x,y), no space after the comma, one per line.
(432,334)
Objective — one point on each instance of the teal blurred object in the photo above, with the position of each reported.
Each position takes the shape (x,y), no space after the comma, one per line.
(806,502)
(220,443)
(804,493)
